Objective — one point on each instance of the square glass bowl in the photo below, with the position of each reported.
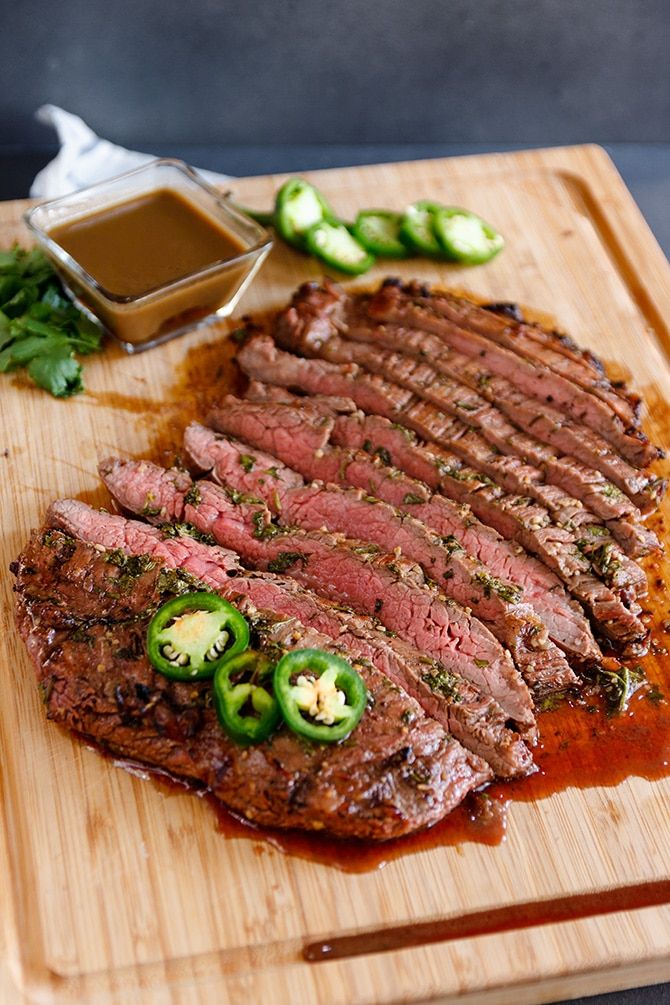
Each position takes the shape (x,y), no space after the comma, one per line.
(145,320)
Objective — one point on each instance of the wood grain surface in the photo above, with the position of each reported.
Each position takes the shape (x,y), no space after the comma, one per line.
(116,890)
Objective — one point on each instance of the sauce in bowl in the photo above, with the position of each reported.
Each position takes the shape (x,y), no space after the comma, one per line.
(152,253)
(137,245)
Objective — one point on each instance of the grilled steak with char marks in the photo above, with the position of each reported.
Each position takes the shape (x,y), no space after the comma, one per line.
(84,620)
(473,718)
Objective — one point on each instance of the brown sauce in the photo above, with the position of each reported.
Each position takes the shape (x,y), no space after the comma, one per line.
(145,242)
(207,373)
(581,746)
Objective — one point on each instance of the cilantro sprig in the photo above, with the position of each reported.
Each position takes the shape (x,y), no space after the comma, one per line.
(40,329)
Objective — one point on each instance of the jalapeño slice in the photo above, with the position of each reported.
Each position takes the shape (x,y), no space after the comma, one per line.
(246,707)
(465,237)
(333,243)
(190,636)
(378,230)
(298,207)
(416,228)
(321,696)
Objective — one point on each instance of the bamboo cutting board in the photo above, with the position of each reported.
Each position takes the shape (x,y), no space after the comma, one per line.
(114,890)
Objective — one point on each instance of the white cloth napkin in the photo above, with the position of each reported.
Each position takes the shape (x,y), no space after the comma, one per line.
(84,158)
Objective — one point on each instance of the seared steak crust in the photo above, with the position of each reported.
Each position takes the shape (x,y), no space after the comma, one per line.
(485,439)
(548,424)
(470,392)
(84,623)
(549,348)
(472,717)
(391,303)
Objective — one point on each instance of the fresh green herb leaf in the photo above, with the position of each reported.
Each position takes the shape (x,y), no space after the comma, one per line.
(655,695)
(39,327)
(263,531)
(552,701)
(443,682)
(172,530)
(452,544)
(618,686)
(611,491)
(509,592)
(383,454)
(193,497)
(285,559)
(57,372)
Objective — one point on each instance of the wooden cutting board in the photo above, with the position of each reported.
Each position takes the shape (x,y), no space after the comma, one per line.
(113,889)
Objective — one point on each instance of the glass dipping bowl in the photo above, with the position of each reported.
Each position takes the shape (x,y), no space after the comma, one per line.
(180,305)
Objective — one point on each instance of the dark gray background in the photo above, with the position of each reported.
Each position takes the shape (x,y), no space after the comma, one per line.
(288,85)
(251,87)
(308,71)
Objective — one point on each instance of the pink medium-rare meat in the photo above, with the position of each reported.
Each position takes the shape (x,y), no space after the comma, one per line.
(354,512)
(263,426)
(554,545)
(353,573)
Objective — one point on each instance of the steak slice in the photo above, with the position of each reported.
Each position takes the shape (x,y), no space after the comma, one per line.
(548,425)
(392,304)
(444,561)
(529,463)
(85,633)
(559,352)
(350,572)
(473,718)
(300,329)
(556,546)
(515,519)
(288,429)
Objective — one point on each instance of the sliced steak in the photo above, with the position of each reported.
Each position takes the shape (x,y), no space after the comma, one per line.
(556,546)
(443,559)
(392,304)
(541,506)
(549,348)
(403,772)
(176,548)
(529,463)
(548,425)
(288,429)
(300,329)
(473,718)
(515,518)
(350,572)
